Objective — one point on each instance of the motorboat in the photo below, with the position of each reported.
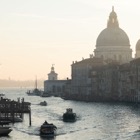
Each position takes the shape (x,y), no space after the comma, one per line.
(48,129)
(69,116)
(44,103)
(35,91)
(45,94)
(4,129)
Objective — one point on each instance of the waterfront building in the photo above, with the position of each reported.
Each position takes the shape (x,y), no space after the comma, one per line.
(108,81)
(135,79)
(81,76)
(124,89)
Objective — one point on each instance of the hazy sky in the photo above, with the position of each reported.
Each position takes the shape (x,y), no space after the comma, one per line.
(34,34)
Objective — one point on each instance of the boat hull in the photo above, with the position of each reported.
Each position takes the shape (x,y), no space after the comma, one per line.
(48,130)
(69,120)
(53,134)
(4,131)
(69,117)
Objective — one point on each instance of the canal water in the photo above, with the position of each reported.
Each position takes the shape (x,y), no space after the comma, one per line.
(96,121)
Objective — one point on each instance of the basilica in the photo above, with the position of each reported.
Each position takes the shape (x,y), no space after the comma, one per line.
(110,74)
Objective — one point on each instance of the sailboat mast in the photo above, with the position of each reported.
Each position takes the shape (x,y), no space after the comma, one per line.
(36,83)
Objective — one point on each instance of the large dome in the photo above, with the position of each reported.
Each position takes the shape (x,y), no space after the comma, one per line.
(113,35)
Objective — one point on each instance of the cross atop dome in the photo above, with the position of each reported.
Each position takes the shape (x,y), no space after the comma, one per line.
(112,8)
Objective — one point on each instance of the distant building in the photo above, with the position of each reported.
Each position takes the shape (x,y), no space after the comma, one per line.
(53,86)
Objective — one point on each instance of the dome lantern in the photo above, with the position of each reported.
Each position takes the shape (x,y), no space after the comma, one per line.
(112,22)
(52,68)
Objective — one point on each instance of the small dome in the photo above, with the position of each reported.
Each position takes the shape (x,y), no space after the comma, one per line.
(113,37)
(138,45)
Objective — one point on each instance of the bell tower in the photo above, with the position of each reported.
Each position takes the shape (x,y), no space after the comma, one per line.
(52,75)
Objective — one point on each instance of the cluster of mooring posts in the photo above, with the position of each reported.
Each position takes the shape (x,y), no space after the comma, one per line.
(11,110)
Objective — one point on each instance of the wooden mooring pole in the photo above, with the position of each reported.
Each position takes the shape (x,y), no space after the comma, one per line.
(30,121)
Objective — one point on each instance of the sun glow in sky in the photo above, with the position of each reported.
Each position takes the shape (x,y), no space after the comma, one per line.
(34,34)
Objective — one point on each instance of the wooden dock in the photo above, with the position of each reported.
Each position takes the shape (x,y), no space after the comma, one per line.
(11,110)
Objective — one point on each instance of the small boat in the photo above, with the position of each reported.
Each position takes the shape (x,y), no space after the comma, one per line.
(48,129)
(5,130)
(45,94)
(35,91)
(69,116)
(43,103)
